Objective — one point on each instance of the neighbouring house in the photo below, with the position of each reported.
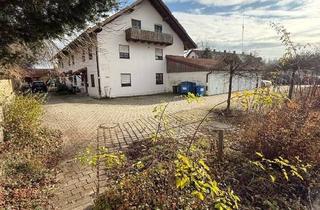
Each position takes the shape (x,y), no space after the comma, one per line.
(34,74)
(125,55)
(196,53)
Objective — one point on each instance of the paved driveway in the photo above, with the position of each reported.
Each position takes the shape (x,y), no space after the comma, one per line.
(78,118)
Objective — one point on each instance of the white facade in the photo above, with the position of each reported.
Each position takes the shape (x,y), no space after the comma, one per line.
(142,64)
(78,63)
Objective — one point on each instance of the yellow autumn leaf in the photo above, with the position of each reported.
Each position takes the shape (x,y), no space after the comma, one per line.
(273,178)
(198,195)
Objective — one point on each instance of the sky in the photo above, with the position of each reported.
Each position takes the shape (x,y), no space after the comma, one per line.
(218,23)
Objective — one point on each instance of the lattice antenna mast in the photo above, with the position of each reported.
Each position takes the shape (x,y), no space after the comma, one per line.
(242,48)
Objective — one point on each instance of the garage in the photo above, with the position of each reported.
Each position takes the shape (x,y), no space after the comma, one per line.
(210,73)
(218,82)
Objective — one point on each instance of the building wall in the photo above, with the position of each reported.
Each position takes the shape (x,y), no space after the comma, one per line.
(142,64)
(176,78)
(91,66)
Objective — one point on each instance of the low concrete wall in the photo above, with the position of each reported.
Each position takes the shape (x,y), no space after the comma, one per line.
(6,93)
(1,124)
(6,89)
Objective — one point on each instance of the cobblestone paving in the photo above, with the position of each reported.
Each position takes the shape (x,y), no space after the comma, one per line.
(78,117)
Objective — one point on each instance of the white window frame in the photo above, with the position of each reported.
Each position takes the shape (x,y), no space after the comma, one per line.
(83,55)
(93,82)
(161,82)
(123,54)
(158,55)
(155,28)
(90,54)
(135,26)
(125,82)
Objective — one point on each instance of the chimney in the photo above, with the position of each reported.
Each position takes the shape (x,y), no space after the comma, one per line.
(225,51)
(214,50)
(234,52)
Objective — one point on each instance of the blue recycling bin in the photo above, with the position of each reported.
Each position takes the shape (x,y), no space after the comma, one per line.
(183,88)
(200,90)
(186,87)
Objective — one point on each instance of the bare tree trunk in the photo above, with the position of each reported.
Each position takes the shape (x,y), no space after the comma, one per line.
(230,90)
(291,84)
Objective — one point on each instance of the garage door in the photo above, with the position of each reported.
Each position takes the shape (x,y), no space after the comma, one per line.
(218,83)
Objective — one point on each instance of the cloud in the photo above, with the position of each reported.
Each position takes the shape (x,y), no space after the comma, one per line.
(222,29)
(226,2)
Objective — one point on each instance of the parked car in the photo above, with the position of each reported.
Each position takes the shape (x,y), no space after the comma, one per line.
(266,83)
(38,86)
(25,87)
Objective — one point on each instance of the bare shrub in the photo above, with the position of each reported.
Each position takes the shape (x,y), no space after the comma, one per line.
(28,155)
(289,131)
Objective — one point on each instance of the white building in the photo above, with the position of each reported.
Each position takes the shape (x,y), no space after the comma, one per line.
(125,55)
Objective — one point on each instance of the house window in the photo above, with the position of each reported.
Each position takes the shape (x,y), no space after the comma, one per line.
(159,78)
(60,64)
(69,61)
(83,56)
(125,80)
(75,79)
(136,24)
(72,58)
(124,51)
(90,53)
(159,54)
(158,28)
(92,80)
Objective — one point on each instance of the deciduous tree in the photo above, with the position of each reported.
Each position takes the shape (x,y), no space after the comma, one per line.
(237,65)
(25,25)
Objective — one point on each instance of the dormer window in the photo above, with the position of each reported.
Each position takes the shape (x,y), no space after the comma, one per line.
(136,24)
(158,28)
(90,53)
(83,55)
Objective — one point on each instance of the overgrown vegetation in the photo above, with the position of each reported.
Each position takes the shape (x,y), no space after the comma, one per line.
(28,155)
(272,162)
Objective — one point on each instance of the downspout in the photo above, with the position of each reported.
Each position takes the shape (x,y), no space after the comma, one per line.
(207,79)
(98,70)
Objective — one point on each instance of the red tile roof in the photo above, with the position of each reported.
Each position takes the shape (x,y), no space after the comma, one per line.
(199,63)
